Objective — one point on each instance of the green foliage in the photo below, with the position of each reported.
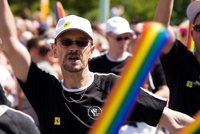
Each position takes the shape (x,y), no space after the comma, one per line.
(90,8)
(179,11)
(140,8)
(93,15)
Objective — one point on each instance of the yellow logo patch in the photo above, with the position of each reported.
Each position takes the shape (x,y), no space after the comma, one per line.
(66,24)
(189,84)
(57,121)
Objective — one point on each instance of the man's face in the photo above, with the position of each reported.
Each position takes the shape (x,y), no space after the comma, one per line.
(74,57)
(118,44)
(138,29)
(196,35)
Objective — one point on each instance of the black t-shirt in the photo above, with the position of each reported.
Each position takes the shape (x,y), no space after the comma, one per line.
(182,71)
(16,122)
(102,64)
(58,116)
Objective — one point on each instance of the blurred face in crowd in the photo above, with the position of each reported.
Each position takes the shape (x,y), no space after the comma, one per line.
(50,58)
(35,53)
(118,44)
(196,34)
(73,56)
(21,27)
(138,29)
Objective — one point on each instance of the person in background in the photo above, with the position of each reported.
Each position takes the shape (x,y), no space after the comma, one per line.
(136,24)
(118,34)
(34,45)
(8,80)
(181,66)
(47,62)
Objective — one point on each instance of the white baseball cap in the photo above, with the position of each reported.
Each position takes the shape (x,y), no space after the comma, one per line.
(73,22)
(118,25)
(192,10)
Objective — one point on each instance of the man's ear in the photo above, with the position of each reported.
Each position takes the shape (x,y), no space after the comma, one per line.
(54,49)
(91,52)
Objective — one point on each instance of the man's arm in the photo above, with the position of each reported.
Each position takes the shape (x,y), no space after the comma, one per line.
(16,53)
(163,91)
(163,15)
(173,121)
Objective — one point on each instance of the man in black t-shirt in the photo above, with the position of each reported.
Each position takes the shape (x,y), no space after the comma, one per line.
(181,65)
(73,104)
(118,34)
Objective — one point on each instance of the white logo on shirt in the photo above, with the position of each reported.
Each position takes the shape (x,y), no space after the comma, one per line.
(94,112)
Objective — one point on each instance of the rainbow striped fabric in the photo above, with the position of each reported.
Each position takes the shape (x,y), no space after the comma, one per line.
(59,11)
(189,41)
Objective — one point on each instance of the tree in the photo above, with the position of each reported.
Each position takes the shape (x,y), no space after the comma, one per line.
(90,8)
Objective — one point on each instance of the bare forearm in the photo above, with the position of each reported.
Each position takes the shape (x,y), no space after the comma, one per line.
(163,91)
(163,15)
(164,11)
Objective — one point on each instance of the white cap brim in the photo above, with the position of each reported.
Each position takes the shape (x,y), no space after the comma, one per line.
(192,10)
(73,29)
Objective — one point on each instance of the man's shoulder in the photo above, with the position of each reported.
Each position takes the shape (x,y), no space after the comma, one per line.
(106,75)
(102,57)
(105,82)
(109,78)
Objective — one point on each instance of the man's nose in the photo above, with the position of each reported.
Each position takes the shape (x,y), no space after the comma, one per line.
(73,47)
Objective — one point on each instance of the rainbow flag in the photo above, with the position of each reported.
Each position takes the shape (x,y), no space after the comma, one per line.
(189,41)
(59,11)
(44,8)
(121,100)
(192,128)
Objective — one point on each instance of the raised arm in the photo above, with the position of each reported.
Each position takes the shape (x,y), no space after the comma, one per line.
(16,53)
(163,15)
(173,121)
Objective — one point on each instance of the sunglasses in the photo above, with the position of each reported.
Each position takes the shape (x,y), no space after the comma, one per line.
(120,38)
(137,33)
(68,42)
(196,28)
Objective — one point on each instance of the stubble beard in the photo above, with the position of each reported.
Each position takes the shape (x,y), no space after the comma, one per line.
(72,68)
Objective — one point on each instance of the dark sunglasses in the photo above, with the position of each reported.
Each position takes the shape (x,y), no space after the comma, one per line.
(120,38)
(196,28)
(68,42)
(137,33)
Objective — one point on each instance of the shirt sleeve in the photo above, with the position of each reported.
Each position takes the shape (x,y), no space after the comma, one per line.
(148,108)
(39,86)
(158,74)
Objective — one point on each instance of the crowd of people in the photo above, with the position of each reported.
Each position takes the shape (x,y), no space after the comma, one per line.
(57,76)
